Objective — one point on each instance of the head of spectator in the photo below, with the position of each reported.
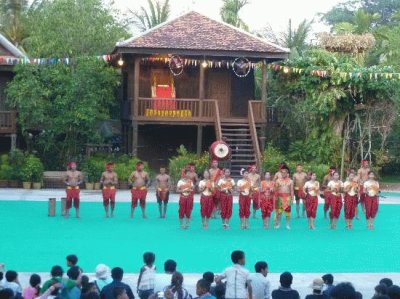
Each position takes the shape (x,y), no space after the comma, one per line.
(344,290)
(120,293)
(202,287)
(261,267)
(6,294)
(56,271)
(170,266)
(117,274)
(11,276)
(102,271)
(34,282)
(149,258)
(74,272)
(238,257)
(286,280)
(317,286)
(328,279)
(72,260)
(393,292)
(209,276)
(381,289)
(220,291)
(387,281)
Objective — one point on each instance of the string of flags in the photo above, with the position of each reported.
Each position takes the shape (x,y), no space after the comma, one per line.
(8,60)
(357,74)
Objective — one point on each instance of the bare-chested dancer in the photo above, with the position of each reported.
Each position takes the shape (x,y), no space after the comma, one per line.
(299,179)
(163,182)
(139,179)
(72,180)
(109,180)
(284,190)
(362,176)
(215,174)
(255,179)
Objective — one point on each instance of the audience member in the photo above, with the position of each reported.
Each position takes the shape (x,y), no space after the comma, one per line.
(220,291)
(117,274)
(380,289)
(259,282)
(72,260)
(328,284)
(57,277)
(285,291)
(209,276)
(238,284)
(386,281)
(203,289)
(6,294)
(344,290)
(102,276)
(73,273)
(164,279)
(393,292)
(176,290)
(11,282)
(147,276)
(317,286)
(120,293)
(33,290)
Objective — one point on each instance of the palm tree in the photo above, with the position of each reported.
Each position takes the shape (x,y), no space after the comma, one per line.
(296,39)
(157,13)
(361,23)
(12,16)
(230,13)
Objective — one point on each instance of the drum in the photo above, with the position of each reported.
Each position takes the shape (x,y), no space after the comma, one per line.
(52,207)
(220,151)
(63,206)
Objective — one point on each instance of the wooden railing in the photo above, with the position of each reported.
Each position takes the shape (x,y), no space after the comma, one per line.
(8,122)
(258,111)
(253,131)
(175,110)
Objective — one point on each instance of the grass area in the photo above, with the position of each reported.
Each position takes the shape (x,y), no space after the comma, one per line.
(390,179)
(31,241)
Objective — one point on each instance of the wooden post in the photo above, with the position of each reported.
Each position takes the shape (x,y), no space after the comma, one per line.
(135,106)
(199,139)
(264,101)
(201,88)
(135,132)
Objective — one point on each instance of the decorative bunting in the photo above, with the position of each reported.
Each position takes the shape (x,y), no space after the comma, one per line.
(8,60)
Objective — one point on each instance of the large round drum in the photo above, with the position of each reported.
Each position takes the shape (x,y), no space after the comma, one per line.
(219,150)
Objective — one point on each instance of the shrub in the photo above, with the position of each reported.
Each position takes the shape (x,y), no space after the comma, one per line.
(5,168)
(32,170)
(17,161)
(271,158)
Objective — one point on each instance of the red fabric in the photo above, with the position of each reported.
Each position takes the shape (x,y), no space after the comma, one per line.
(299,194)
(207,206)
(216,197)
(311,206)
(244,206)
(138,194)
(350,203)
(327,200)
(73,194)
(109,196)
(256,200)
(185,206)
(164,92)
(362,194)
(267,205)
(371,206)
(336,205)
(226,205)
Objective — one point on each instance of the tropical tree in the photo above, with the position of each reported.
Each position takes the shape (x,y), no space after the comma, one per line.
(296,38)
(230,13)
(157,13)
(362,22)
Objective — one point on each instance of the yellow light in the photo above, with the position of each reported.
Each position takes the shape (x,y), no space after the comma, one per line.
(120,62)
(285,70)
(204,64)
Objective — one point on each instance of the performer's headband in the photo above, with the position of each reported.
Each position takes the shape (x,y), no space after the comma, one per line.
(364,162)
(71,164)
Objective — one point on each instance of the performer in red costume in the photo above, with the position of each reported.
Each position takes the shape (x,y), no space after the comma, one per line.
(311,202)
(109,181)
(185,187)
(255,179)
(325,189)
(350,189)
(336,202)
(206,187)
(215,175)
(72,180)
(244,187)
(371,189)
(225,185)
(267,199)
(362,175)
(299,179)
(139,180)
(284,197)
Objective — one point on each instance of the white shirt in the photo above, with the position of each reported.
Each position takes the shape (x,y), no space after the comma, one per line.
(335,185)
(371,187)
(260,286)
(15,287)
(203,185)
(188,184)
(242,183)
(312,188)
(352,190)
(236,279)
(147,280)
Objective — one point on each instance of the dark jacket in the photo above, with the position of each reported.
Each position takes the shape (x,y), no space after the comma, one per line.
(108,291)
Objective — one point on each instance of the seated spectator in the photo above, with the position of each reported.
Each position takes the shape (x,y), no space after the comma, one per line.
(120,293)
(380,290)
(344,290)
(259,282)
(203,289)
(328,284)
(102,276)
(6,294)
(57,277)
(220,291)
(176,290)
(117,274)
(393,292)
(285,291)
(317,286)
(238,284)
(33,290)
(11,282)
(386,281)
(147,276)
(73,293)
(164,279)
(209,276)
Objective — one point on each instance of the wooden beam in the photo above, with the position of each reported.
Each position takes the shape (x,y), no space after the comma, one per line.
(135,137)
(136,79)
(199,139)
(264,89)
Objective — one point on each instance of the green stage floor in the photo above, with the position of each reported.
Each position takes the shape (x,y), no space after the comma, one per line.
(31,241)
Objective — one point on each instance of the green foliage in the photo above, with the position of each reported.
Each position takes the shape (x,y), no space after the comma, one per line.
(5,168)
(32,170)
(64,105)
(17,160)
(230,13)
(183,157)
(68,28)
(296,38)
(157,13)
